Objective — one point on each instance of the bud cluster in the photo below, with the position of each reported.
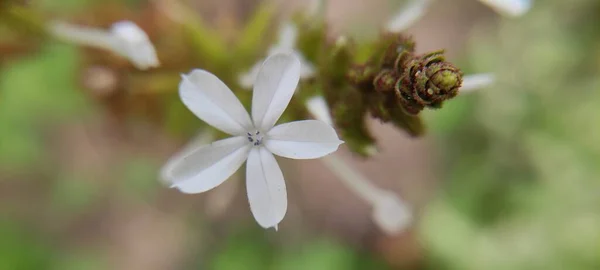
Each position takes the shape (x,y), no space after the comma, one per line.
(405,79)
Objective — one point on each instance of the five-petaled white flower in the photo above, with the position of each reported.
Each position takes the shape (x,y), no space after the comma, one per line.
(124,38)
(255,138)
(286,43)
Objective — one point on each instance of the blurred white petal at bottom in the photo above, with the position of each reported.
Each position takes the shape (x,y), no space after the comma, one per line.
(391,214)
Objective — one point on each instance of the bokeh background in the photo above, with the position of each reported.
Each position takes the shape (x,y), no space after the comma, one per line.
(507,177)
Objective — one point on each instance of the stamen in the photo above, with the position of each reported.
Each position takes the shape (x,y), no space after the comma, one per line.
(255,139)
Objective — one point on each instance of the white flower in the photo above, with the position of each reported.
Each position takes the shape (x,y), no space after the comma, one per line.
(255,138)
(286,43)
(124,38)
(415,9)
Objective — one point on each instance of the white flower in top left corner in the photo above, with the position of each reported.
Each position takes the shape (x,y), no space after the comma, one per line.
(124,38)
(254,138)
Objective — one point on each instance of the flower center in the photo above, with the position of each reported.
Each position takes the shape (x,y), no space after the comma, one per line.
(255,138)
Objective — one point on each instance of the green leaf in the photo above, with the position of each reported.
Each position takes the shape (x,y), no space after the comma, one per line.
(252,38)
(209,45)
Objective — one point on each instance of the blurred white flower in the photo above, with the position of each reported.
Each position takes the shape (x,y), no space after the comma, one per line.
(390,213)
(254,139)
(408,15)
(512,8)
(124,38)
(415,9)
(475,82)
(317,106)
(286,43)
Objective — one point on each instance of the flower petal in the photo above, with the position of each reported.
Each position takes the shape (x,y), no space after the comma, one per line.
(475,82)
(391,214)
(201,140)
(212,101)
(246,80)
(134,44)
(288,34)
(208,166)
(302,139)
(408,15)
(512,8)
(273,89)
(317,106)
(307,70)
(82,35)
(266,188)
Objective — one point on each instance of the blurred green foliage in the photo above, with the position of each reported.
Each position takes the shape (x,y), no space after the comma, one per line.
(521,188)
(20,249)
(251,250)
(42,84)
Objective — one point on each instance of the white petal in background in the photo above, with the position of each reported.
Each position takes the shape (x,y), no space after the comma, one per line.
(125,38)
(273,89)
(408,15)
(307,70)
(82,35)
(302,139)
(512,8)
(133,43)
(208,166)
(266,188)
(286,43)
(475,82)
(391,214)
(288,34)
(318,108)
(246,80)
(213,102)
